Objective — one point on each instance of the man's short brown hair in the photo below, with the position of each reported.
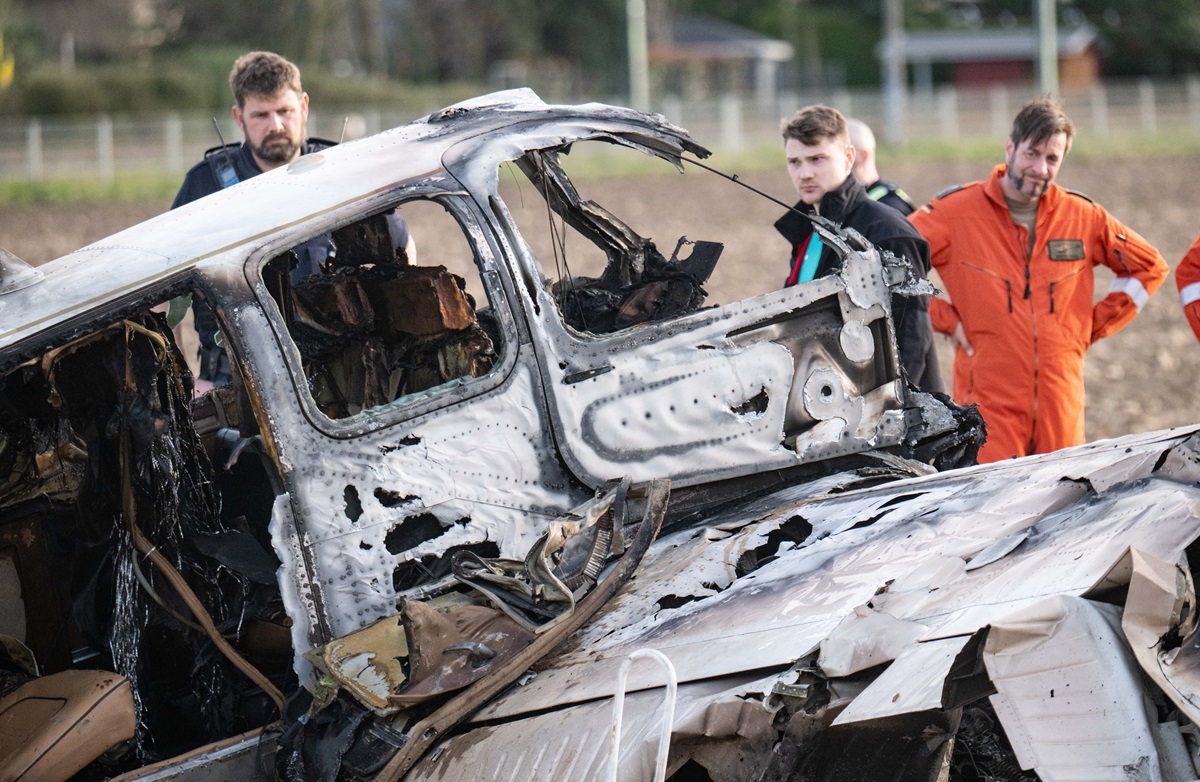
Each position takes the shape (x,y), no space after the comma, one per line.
(813,124)
(1039,120)
(262,73)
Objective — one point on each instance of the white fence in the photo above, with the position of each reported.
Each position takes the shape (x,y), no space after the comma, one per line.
(1125,108)
(105,146)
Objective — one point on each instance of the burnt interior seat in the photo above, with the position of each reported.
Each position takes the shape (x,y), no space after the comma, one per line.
(52,727)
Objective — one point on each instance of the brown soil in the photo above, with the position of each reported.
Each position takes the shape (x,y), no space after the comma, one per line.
(1141,379)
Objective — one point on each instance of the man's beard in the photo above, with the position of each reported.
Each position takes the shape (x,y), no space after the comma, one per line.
(1039,185)
(276,149)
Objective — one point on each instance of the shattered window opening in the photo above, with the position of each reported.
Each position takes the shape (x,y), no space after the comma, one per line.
(374,328)
(614,276)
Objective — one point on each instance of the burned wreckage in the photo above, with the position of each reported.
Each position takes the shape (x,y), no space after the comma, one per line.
(447,502)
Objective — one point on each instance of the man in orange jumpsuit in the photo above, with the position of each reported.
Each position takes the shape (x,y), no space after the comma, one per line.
(1015,254)
(1187,277)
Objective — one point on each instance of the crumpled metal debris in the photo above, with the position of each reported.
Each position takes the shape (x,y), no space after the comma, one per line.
(454,638)
(562,565)
(944,434)
(911,643)
(639,284)
(427,651)
(447,644)
(656,288)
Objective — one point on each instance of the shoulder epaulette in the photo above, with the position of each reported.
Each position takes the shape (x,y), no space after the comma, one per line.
(881,190)
(947,191)
(1084,196)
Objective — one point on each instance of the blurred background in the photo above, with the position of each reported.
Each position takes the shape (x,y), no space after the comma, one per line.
(101,90)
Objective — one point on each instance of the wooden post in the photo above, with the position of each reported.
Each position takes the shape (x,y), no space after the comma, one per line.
(173,142)
(33,147)
(105,159)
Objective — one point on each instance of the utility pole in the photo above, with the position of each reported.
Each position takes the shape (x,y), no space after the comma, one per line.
(895,69)
(639,59)
(1047,29)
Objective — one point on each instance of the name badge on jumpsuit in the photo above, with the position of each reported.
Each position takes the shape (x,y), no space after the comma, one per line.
(1065,249)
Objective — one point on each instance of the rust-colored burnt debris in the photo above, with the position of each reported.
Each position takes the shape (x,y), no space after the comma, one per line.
(369,335)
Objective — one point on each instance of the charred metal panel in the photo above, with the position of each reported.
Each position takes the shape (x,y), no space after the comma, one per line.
(1069,695)
(901,550)
(730,391)
(485,471)
(467,465)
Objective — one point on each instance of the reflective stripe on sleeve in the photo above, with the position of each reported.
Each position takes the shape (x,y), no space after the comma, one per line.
(1132,287)
(1189,293)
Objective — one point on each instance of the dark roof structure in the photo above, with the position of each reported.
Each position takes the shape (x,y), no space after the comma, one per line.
(701,38)
(952,46)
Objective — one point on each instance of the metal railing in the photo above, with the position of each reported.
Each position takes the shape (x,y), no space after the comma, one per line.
(102,147)
(667,712)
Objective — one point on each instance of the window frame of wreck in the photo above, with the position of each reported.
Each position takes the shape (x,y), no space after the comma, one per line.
(485,257)
(590,222)
(105,313)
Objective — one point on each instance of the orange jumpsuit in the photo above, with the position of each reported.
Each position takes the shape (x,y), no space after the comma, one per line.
(1187,277)
(1030,317)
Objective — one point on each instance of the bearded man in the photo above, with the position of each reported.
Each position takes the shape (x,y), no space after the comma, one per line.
(272,110)
(1016,254)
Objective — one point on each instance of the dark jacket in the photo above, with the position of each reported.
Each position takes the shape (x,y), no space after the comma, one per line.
(204,178)
(887,229)
(223,167)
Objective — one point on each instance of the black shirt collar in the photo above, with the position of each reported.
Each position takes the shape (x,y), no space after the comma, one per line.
(835,206)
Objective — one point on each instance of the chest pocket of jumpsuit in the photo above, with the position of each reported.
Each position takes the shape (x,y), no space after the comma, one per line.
(1069,300)
(991,299)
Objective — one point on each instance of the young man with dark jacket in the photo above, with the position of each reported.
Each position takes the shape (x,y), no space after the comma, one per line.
(820,161)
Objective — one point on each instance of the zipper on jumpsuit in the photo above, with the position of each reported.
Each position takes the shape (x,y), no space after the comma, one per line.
(1032,321)
(1007,283)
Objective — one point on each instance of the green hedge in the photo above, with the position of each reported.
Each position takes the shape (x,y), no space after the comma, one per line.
(200,83)
(111,89)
